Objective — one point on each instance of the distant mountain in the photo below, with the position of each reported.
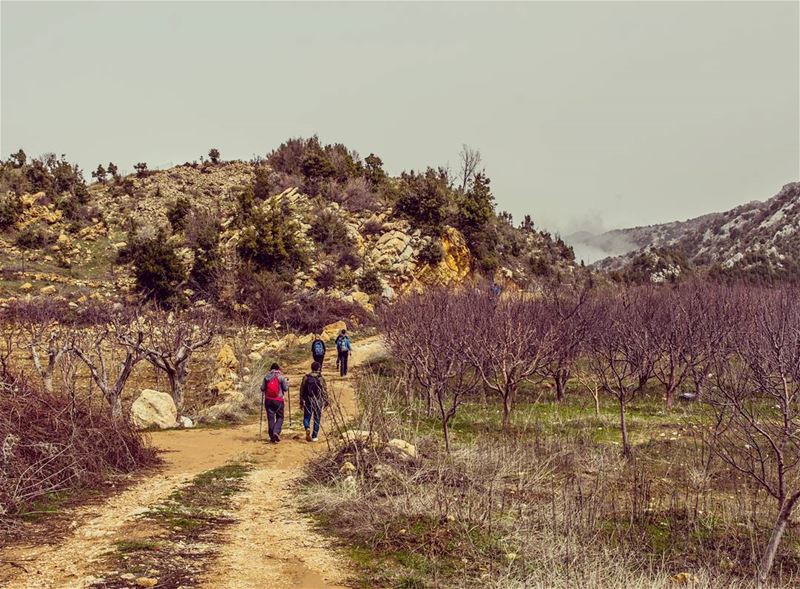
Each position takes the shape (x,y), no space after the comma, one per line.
(758,240)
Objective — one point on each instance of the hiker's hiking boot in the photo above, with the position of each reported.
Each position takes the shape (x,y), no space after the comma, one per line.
(315,439)
(308,435)
(277,438)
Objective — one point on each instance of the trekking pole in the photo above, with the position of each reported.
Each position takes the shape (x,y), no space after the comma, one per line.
(261,415)
(289,399)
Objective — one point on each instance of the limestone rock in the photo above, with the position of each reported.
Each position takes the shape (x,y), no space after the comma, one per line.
(332,330)
(361,298)
(348,468)
(185,422)
(26,287)
(255,357)
(226,358)
(402,448)
(154,409)
(48,290)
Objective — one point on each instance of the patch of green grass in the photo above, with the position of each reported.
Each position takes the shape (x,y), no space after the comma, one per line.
(45,506)
(129,546)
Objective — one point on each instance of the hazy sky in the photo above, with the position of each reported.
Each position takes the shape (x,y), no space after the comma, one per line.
(587,114)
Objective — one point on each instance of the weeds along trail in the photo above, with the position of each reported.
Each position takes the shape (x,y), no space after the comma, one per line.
(271,536)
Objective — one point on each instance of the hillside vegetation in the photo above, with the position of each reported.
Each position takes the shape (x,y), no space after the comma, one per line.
(258,238)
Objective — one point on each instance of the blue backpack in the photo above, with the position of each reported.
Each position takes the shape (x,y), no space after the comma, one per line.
(319,348)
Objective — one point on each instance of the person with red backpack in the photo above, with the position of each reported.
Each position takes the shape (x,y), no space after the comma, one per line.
(313,399)
(274,387)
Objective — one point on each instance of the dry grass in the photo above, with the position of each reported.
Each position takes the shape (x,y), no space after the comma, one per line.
(548,506)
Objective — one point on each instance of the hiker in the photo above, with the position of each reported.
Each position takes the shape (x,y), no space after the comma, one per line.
(275,386)
(343,350)
(318,351)
(313,398)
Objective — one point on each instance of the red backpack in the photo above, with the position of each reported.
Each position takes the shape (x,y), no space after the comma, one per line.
(274,387)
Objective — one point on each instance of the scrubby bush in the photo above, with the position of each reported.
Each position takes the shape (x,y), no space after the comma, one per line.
(431,253)
(53,442)
(160,274)
(262,294)
(34,236)
(270,239)
(424,199)
(10,209)
(177,213)
(202,237)
(329,230)
(370,281)
(309,314)
(327,276)
(349,259)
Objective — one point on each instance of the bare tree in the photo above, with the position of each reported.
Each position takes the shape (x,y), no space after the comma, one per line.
(429,333)
(171,339)
(619,351)
(512,339)
(755,397)
(573,319)
(110,351)
(43,336)
(469,164)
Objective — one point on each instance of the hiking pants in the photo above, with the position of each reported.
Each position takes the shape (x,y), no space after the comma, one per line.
(312,409)
(342,362)
(274,417)
(319,359)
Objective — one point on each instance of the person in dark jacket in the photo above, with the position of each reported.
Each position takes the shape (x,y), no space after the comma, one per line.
(275,386)
(313,399)
(343,350)
(318,350)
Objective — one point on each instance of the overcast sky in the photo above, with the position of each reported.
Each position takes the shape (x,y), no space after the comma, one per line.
(589,115)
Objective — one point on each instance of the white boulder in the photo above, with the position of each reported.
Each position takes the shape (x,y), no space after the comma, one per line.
(154,409)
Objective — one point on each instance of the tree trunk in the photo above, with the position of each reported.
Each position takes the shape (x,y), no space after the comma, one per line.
(116,405)
(778,529)
(507,404)
(561,378)
(626,449)
(670,392)
(446,432)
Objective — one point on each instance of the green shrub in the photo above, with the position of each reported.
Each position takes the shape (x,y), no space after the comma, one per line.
(202,236)
(327,276)
(370,281)
(177,213)
(34,237)
(160,275)
(424,199)
(270,240)
(431,253)
(328,230)
(10,209)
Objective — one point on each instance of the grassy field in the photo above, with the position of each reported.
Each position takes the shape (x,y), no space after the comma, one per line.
(549,503)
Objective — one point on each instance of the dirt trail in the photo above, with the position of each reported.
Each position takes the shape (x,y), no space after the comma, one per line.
(271,544)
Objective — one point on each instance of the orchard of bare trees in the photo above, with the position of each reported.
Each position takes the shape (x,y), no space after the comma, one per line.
(730,356)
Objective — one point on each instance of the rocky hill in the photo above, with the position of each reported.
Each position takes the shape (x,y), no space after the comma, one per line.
(755,241)
(306,221)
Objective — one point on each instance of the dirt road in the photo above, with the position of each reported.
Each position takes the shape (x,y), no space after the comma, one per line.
(271,544)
